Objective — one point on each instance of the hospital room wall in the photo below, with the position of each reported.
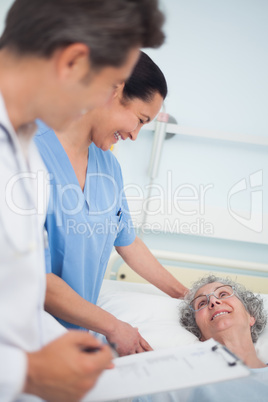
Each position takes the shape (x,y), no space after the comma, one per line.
(215,60)
(4,6)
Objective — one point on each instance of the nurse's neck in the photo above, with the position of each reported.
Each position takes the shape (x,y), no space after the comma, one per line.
(77,137)
(75,140)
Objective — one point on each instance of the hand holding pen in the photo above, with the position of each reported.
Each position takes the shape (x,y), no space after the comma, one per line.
(98,348)
(64,361)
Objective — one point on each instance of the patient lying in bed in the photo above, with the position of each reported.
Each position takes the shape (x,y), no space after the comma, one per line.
(224,310)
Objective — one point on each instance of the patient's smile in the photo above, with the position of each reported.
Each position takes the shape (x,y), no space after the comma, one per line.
(219,314)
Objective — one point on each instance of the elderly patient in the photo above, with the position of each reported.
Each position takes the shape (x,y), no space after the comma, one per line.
(224,310)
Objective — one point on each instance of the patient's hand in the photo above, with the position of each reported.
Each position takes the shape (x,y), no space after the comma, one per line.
(127,339)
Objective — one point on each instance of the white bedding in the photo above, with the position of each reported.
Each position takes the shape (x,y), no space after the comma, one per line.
(156,314)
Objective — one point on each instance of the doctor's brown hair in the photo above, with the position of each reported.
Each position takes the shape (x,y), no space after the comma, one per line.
(110,28)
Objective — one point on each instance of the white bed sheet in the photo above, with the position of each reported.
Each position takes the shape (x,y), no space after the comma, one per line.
(156,314)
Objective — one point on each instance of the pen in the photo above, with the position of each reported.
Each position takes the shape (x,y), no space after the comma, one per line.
(90,349)
(113,347)
(119,214)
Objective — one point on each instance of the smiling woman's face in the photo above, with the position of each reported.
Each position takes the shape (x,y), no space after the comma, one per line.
(222,315)
(119,121)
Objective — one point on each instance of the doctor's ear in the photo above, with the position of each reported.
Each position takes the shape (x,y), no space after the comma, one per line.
(252,321)
(72,63)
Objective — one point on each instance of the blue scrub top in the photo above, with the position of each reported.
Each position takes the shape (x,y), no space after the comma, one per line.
(83,226)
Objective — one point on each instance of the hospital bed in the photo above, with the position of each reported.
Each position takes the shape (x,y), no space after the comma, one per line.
(128,297)
(187,268)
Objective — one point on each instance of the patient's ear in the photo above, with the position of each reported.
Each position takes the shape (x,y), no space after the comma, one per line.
(252,321)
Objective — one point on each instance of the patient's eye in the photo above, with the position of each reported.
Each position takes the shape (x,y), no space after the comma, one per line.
(201,303)
(223,293)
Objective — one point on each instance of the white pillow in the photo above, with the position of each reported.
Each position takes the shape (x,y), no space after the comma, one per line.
(156,315)
(262,343)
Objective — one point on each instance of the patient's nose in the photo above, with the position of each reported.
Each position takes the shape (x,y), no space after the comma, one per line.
(212,301)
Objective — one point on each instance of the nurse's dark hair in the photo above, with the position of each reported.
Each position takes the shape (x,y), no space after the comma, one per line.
(145,80)
(252,303)
(110,28)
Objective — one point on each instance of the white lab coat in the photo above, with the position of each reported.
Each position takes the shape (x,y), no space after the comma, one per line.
(24,325)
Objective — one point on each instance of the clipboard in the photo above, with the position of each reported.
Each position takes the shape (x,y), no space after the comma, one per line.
(167,370)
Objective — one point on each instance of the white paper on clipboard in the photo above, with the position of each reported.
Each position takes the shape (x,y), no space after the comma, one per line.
(166,370)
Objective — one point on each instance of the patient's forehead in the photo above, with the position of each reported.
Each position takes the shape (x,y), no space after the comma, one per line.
(206,289)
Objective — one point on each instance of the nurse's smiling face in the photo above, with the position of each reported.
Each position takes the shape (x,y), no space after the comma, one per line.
(221,315)
(121,119)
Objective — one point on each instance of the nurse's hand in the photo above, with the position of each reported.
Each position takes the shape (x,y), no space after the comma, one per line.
(127,339)
(63,371)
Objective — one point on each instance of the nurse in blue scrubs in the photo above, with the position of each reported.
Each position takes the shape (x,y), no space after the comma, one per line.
(88,212)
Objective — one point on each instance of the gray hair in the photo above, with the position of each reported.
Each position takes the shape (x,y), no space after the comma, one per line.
(252,303)
(110,28)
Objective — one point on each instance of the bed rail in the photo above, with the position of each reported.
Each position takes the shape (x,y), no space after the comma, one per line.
(252,268)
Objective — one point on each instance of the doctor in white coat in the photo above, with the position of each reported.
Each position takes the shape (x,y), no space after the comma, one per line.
(52,66)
